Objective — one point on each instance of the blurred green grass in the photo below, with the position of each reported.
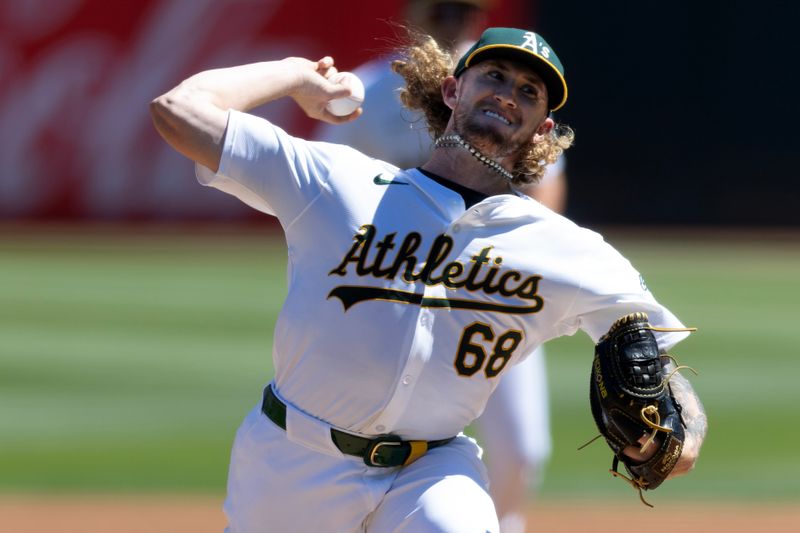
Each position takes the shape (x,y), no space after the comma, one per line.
(128,358)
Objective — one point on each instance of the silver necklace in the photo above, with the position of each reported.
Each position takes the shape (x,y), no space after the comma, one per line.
(454,139)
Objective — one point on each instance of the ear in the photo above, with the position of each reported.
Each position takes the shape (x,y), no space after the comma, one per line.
(543,129)
(450,91)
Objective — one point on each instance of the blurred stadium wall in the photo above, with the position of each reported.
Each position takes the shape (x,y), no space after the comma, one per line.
(77,76)
(685,111)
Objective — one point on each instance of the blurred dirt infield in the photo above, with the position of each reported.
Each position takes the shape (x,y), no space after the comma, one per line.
(178,514)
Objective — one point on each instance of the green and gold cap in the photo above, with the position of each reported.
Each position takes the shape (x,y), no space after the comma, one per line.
(525,46)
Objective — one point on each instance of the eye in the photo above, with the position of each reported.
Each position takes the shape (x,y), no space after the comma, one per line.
(530,90)
(495,74)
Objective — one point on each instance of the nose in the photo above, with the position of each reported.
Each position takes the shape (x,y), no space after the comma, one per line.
(505,99)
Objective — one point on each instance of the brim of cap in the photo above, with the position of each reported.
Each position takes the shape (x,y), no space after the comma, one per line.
(552,78)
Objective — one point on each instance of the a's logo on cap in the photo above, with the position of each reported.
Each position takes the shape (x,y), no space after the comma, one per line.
(530,42)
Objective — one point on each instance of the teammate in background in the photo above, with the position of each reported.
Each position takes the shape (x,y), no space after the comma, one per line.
(515,426)
(410,291)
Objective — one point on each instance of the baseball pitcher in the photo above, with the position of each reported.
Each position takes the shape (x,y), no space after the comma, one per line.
(412,292)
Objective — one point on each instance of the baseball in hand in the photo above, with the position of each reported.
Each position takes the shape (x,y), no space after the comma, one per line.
(346,105)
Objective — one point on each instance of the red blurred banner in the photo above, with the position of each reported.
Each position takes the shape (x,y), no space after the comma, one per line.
(76,77)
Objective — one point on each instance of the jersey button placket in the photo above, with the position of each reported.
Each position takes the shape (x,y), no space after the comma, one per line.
(420,355)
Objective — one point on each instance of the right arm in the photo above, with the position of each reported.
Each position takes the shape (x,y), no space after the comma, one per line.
(192,117)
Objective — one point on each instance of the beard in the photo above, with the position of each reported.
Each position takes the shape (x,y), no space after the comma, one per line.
(489,140)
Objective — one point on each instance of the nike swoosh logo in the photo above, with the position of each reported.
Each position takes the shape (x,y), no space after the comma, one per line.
(378,180)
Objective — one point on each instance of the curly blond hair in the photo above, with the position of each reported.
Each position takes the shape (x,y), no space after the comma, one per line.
(424,64)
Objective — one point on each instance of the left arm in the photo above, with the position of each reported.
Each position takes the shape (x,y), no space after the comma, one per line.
(694,416)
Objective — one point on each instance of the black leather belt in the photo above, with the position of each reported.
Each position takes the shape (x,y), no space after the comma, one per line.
(383,451)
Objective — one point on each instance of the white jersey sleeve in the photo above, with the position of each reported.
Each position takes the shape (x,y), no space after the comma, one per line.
(610,288)
(268,169)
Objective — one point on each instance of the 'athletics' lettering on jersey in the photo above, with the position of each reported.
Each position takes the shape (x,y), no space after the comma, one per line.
(435,270)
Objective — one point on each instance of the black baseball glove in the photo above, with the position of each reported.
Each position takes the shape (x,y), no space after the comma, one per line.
(631,401)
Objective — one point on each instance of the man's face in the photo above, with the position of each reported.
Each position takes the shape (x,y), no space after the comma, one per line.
(499,106)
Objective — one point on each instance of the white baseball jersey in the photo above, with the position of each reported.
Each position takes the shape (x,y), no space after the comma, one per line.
(404,309)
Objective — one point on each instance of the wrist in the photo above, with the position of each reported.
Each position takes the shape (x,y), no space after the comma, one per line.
(296,71)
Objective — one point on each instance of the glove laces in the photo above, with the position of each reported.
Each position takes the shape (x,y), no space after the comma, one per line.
(649,411)
(637,483)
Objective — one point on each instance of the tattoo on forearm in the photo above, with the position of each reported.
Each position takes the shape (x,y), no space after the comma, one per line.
(694,416)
